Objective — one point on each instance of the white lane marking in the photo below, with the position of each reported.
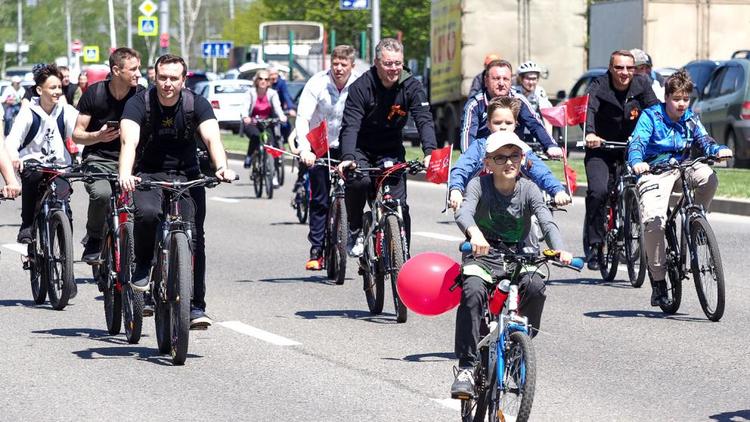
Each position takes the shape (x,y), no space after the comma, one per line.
(248,330)
(17,247)
(449,403)
(222,199)
(439,236)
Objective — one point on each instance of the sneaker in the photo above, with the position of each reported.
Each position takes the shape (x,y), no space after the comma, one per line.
(275,181)
(659,293)
(24,236)
(315,263)
(92,250)
(593,261)
(355,246)
(463,385)
(248,162)
(139,281)
(199,320)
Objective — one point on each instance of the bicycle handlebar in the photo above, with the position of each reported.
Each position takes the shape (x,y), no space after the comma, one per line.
(412,166)
(532,258)
(613,145)
(176,185)
(674,164)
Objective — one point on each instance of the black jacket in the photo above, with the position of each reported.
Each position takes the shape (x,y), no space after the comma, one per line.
(374,116)
(608,117)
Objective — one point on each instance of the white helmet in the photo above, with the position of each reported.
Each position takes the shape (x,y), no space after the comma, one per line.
(529,67)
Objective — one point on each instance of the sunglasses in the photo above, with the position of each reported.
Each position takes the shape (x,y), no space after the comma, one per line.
(620,68)
(263,79)
(392,64)
(501,159)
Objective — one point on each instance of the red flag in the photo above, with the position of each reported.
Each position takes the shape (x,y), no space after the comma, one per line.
(318,138)
(554,115)
(577,110)
(273,151)
(570,178)
(440,164)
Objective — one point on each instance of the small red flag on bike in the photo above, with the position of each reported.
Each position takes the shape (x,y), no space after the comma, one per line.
(554,115)
(318,138)
(576,110)
(570,178)
(273,151)
(440,165)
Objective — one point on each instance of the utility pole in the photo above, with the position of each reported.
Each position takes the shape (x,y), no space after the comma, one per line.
(375,26)
(67,34)
(164,21)
(19,37)
(231,9)
(129,18)
(112,33)
(183,49)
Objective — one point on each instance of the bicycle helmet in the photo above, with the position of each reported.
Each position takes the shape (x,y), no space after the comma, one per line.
(529,67)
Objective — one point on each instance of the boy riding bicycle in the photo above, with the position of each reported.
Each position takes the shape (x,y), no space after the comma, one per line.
(665,132)
(496,215)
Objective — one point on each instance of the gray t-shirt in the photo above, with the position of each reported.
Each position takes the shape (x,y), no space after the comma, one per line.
(506,219)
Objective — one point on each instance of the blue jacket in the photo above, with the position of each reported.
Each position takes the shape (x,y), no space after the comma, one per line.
(657,139)
(470,163)
(474,121)
(287,102)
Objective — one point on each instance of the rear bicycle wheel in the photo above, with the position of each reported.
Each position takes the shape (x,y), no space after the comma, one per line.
(370,269)
(132,301)
(37,270)
(396,258)
(256,174)
(519,378)
(635,253)
(60,264)
(107,277)
(268,172)
(708,272)
(181,280)
(337,233)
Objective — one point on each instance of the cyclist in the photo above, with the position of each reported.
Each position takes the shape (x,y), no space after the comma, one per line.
(497,83)
(527,84)
(478,83)
(497,214)
(666,132)
(166,142)
(287,102)
(11,189)
(616,100)
(323,99)
(68,88)
(643,66)
(11,97)
(101,103)
(263,102)
(39,134)
(376,111)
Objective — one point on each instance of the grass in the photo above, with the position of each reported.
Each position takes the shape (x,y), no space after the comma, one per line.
(733,183)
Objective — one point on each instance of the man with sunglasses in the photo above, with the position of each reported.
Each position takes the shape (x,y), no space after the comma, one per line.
(376,111)
(616,100)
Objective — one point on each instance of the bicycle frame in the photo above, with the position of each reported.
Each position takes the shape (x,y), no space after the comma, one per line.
(49,203)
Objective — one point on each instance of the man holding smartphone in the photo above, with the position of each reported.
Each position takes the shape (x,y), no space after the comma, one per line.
(98,129)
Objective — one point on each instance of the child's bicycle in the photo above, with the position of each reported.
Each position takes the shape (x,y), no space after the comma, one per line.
(505,377)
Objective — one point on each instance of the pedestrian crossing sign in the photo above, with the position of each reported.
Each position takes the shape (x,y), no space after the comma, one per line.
(148,26)
(91,53)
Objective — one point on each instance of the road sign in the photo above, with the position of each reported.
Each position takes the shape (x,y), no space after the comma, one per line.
(148,8)
(354,4)
(148,26)
(76,46)
(90,53)
(219,49)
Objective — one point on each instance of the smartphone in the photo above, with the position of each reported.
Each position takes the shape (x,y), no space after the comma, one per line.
(113,124)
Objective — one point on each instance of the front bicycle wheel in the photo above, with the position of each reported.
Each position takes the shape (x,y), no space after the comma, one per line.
(256,174)
(609,251)
(635,253)
(180,278)
(674,278)
(37,270)
(519,378)
(279,169)
(370,269)
(132,301)
(106,277)
(301,202)
(268,172)
(337,233)
(394,239)
(708,272)
(60,264)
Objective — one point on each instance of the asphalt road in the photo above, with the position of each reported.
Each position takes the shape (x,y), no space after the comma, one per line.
(288,345)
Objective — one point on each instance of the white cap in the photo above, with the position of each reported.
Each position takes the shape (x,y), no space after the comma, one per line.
(500,139)
(15,79)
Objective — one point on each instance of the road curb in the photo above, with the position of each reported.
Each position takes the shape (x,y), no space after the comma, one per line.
(722,205)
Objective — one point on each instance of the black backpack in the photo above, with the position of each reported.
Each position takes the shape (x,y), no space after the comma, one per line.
(36,122)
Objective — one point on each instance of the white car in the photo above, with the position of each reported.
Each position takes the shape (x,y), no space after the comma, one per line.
(227,97)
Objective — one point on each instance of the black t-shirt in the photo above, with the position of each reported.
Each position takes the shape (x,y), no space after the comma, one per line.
(99,103)
(170,148)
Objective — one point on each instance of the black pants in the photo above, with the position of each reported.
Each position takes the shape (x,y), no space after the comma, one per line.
(359,187)
(252,132)
(601,170)
(320,186)
(474,298)
(198,194)
(33,187)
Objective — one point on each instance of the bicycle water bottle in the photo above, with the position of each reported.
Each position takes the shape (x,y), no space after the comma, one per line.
(513,299)
(498,297)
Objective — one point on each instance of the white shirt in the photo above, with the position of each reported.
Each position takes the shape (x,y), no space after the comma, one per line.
(321,100)
(16,94)
(48,141)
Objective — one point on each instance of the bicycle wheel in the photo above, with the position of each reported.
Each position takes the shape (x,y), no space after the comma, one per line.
(635,253)
(302,203)
(674,279)
(708,272)
(396,258)
(279,169)
(37,270)
(162,321)
(256,174)
(609,252)
(268,172)
(180,278)
(337,233)
(60,265)
(132,301)
(369,268)
(106,276)
(519,379)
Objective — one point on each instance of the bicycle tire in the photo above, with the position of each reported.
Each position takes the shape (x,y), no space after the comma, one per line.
(37,271)
(635,252)
(181,279)
(112,296)
(132,301)
(519,377)
(279,168)
(673,279)
(60,266)
(396,258)
(162,314)
(268,171)
(256,174)
(302,202)
(337,233)
(372,277)
(701,234)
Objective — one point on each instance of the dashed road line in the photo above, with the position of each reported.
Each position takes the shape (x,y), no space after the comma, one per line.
(225,200)
(251,331)
(17,247)
(439,236)
(449,403)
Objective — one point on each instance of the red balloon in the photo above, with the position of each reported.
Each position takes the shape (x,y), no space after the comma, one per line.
(424,283)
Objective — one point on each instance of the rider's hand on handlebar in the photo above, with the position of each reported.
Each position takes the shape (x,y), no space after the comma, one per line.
(12,190)
(554,152)
(17,164)
(640,168)
(479,245)
(307,158)
(593,141)
(565,257)
(426,161)
(226,175)
(248,120)
(562,198)
(128,182)
(346,164)
(455,199)
(724,153)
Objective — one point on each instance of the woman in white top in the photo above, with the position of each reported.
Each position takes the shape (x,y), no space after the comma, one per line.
(39,133)
(263,103)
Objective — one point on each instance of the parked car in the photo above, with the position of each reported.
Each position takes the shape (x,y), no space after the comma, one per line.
(724,108)
(228,99)
(700,72)
(193,77)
